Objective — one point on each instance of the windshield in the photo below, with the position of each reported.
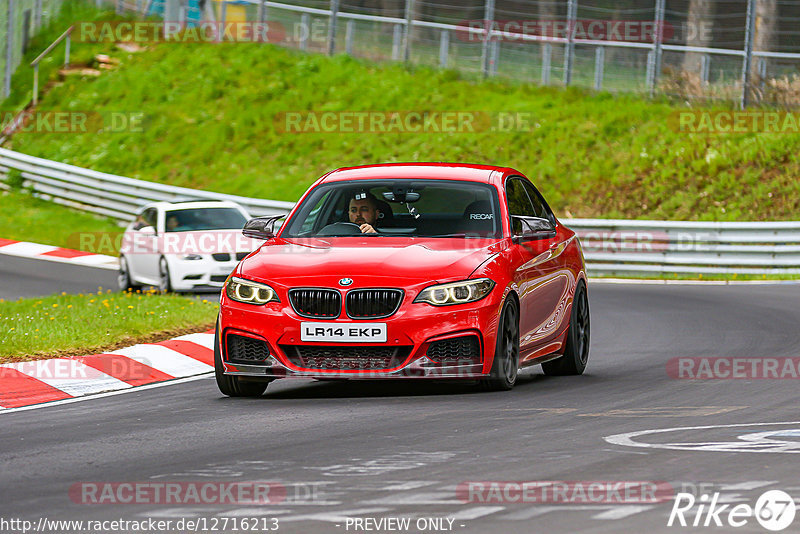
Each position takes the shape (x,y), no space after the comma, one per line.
(418,208)
(192,219)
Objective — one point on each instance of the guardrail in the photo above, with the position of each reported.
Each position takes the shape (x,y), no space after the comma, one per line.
(611,246)
(114,196)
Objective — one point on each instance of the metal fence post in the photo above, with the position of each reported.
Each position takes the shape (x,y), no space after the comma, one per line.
(572,10)
(37,15)
(407,32)
(35,84)
(749,32)
(547,54)
(332,27)
(705,68)
(397,37)
(262,11)
(120,7)
(305,29)
(444,48)
(762,71)
(223,12)
(9,49)
(494,54)
(658,38)
(599,64)
(488,16)
(66,51)
(349,30)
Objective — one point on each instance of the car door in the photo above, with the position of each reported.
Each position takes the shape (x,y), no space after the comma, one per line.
(540,272)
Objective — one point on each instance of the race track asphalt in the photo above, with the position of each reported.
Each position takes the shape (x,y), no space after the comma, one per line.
(350,450)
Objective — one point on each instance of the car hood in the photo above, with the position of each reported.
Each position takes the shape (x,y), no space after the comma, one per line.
(368,258)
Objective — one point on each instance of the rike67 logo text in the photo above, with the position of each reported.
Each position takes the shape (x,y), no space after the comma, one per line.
(774,510)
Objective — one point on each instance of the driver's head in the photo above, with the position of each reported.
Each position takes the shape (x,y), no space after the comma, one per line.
(363,208)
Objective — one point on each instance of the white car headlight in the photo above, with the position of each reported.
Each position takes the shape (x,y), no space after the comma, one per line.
(456,292)
(249,292)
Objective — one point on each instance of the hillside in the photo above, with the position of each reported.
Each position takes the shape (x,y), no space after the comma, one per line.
(210,116)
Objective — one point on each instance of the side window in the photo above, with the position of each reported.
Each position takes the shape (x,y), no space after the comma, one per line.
(539,205)
(518,202)
(149,216)
(146,218)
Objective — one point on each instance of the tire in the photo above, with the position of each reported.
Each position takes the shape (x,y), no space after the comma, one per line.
(506,354)
(576,353)
(124,280)
(232,386)
(164,280)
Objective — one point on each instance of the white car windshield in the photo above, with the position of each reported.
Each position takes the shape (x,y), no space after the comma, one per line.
(193,219)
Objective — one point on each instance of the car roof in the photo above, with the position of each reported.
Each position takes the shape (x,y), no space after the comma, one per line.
(399,171)
(190,204)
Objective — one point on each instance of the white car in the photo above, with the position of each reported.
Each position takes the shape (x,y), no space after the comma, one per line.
(183,246)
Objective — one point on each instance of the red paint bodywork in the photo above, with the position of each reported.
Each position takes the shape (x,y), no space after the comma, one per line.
(541,274)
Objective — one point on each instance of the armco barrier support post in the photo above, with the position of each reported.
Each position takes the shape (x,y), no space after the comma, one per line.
(569,51)
(332,27)
(488,21)
(749,34)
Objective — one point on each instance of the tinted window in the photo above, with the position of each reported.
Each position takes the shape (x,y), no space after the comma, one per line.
(518,201)
(203,219)
(432,208)
(537,201)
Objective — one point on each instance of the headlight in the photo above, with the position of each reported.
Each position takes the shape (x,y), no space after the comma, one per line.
(192,257)
(456,292)
(249,292)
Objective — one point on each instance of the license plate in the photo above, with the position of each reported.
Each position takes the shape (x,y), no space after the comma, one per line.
(343,332)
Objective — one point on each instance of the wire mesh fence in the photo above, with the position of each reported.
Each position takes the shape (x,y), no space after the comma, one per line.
(743,51)
(20,20)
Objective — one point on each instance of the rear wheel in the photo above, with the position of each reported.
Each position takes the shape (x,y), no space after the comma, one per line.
(506,355)
(233,386)
(576,353)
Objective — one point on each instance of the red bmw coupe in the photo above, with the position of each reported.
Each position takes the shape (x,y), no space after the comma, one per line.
(421,270)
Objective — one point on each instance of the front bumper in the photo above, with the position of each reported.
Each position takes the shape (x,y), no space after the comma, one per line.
(411,329)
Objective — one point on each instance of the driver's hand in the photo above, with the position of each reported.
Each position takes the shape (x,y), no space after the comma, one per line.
(367,229)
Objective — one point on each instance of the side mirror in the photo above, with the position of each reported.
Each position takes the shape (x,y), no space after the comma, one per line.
(147,230)
(531,228)
(261,227)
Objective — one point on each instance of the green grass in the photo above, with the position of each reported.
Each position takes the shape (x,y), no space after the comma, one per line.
(91,323)
(210,112)
(25,218)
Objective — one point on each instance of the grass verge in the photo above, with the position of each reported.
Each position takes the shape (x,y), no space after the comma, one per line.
(25,218)
(67,325)
(210,122)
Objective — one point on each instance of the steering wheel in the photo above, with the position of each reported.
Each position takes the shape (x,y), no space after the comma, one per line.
(340,228)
